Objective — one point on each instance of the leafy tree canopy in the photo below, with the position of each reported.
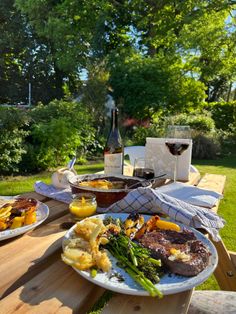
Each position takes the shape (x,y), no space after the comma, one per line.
(26,57)
(195,31)
(146,85)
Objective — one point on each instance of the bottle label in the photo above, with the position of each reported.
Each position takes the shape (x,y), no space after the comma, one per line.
(113,163)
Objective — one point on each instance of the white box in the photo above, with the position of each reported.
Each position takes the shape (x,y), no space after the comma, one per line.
(164,161)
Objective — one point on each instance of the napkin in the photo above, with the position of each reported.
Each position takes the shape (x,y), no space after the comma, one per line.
(191,194)
(62,195)
(151,201)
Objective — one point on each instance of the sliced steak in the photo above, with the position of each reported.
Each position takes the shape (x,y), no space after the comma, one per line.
(22,205)
(162,243)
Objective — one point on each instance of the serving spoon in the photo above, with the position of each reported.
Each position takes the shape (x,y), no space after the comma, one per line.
(146,181)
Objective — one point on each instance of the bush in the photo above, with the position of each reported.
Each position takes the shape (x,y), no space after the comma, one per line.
(205,147)
(58,131)
(140,133)
(228,139)
(198,122)
(56,141)
(12,134)
(206,144)
(223,114)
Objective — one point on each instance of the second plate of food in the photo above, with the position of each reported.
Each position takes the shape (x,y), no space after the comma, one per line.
(7,210)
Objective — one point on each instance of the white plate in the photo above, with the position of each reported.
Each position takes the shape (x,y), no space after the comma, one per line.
(169,284)
(42,213)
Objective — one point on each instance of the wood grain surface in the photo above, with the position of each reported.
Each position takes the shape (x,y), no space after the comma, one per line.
(57,289)
(176,303)
(24,254)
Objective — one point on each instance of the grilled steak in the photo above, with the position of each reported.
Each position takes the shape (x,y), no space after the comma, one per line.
(165,243)
(21,205)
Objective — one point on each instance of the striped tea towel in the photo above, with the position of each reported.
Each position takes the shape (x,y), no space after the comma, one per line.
(150,201)
(62,195)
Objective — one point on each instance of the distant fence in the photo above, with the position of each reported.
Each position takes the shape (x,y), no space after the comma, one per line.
(16,106)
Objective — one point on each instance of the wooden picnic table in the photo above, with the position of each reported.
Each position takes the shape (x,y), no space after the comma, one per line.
(33,279)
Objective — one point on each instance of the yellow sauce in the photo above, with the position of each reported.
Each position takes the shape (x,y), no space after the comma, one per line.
(81,208)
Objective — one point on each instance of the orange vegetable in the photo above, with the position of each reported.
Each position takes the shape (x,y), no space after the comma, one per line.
(148,226)
(17,222)
(29,218)
(132,225)
(166,225)
(3,225)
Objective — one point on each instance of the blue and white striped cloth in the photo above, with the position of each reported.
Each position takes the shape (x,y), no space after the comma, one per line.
(150,201)
(48,190)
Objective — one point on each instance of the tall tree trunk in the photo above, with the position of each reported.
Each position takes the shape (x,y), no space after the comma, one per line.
(151,34)
(59,75)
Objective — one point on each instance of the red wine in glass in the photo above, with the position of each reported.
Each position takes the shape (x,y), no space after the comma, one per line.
(176,149)
(146,173)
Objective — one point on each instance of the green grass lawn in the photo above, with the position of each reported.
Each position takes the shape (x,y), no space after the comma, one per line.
(226,166)
(22,184)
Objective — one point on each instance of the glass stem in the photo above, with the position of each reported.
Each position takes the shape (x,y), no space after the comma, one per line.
(175,169)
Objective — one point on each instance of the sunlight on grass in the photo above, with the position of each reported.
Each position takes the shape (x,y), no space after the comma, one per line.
(23,184)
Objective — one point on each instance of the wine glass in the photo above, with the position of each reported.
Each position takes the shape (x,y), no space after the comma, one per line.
(143,168)
(177,147)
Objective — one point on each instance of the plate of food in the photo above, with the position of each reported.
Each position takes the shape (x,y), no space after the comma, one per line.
(139,254)
(19,215)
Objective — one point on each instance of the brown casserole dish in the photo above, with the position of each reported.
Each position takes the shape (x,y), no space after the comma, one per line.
(118,187)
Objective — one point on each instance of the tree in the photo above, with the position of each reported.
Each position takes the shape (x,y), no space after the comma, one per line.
(27,58)
(84,30)
(144,85)
(209,44)
(94,93)
(68,25)
(11,81)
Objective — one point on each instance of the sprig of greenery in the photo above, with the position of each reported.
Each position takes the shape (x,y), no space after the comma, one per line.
(101,302)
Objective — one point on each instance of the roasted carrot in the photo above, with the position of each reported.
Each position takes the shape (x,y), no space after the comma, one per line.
(148,226)
(167,225)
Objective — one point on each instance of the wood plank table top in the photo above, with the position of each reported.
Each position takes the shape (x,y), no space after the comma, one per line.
(33,279)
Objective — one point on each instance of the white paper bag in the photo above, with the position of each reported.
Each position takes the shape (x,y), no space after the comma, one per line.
(164,161)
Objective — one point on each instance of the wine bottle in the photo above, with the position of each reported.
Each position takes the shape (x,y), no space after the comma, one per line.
(113,151)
